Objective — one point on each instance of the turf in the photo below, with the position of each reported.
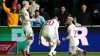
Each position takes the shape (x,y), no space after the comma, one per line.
(58,54)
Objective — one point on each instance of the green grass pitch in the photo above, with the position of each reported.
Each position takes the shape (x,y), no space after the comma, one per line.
(58,54)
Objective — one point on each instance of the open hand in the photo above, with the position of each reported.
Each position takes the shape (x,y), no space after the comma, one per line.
(63,39)
(37,19)
(58,42)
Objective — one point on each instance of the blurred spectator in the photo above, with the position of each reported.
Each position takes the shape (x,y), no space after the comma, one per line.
(62,16)
(95,17)
(50,6)
(19,9)
(44,14)
(83,17)
(15,3)
(75,22)
(0,10)
(2,15)
(33,6)
(12,14)
(42,20)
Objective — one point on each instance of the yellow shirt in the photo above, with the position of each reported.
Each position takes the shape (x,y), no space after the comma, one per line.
(12,18)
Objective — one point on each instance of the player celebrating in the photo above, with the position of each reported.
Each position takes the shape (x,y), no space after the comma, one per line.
(74,41)
(26,25)
(49,31)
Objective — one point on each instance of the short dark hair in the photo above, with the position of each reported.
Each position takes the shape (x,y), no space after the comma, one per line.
(83,4)
(36,10)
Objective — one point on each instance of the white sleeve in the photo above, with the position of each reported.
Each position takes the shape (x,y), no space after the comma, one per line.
(26,16)
(57,34)
(68,37)
(70,33)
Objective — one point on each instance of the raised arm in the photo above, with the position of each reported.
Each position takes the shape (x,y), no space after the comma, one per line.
(26,16)
(4,7)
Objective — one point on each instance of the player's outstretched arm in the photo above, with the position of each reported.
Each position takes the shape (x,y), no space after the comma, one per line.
(64,39)
(35,19)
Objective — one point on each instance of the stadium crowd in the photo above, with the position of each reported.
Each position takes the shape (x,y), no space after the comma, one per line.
(84,12)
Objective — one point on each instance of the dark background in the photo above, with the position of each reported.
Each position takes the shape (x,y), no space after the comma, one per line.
(51,6)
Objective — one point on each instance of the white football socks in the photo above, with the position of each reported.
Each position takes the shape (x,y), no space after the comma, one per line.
(28,45)
(80,49)
(53,48)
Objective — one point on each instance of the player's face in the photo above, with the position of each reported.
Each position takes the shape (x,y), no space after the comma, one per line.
(84,7)
(27,6)
(63,9)
(68,21)
(19,6)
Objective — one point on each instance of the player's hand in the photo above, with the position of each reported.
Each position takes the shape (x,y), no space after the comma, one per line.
(39,42)
(37,19)
(31,14)
(63,39)
(4,1)
(58,42)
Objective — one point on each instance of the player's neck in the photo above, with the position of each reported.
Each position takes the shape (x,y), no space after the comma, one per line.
(25,8)
(71,23)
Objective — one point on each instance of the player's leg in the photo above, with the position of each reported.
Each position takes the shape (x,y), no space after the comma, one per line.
(55,42)
(72,50)
(30,41)
(53,47)
(24,51)
(80,51)
(70,54)
(54,53)
(29,34)
(85,53)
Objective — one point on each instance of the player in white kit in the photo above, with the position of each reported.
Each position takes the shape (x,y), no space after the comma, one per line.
(49,31)
(73,40)
(26,25)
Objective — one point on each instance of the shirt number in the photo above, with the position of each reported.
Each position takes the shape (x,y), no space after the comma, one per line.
(49,23)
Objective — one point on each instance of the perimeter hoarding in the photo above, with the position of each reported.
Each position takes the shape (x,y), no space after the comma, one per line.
(89,36)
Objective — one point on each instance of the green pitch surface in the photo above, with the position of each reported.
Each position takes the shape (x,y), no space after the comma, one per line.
(58,54)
